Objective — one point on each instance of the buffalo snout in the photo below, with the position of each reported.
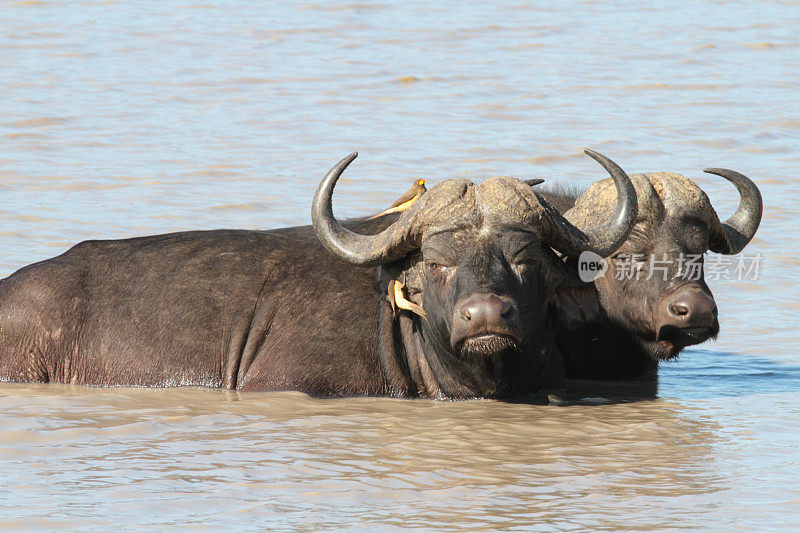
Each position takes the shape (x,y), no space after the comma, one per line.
(485,324)
(692,307)
(687,316)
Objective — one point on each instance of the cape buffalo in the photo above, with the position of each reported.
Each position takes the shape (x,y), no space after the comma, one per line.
(464,279)
(620,326)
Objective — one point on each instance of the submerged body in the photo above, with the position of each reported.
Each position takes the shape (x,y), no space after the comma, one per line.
(274,310)
(217,308)
(244,310)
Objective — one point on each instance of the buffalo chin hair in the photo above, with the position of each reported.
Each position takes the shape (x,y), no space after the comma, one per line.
(487,345)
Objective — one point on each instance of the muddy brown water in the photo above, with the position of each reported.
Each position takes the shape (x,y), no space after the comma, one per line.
(122,119)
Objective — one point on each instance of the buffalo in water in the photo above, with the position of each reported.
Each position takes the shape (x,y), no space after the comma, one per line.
(454,299)
(621,325)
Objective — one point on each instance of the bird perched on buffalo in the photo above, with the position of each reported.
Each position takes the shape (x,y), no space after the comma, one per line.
(406,200)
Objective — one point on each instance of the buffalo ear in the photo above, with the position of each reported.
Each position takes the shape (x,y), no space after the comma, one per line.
(384,283)
(577,305)
(384,275)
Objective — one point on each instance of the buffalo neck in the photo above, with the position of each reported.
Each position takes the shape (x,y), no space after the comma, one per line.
(416,362)
(603,349)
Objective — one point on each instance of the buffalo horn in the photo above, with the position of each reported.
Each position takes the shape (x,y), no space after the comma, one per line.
(608,236)
(367,250)
(733,235)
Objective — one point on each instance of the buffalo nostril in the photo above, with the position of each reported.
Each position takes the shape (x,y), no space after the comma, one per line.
(678,309)
(692,308)
(485,310)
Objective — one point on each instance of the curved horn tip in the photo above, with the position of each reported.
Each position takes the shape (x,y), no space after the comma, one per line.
(534,181)
(717,171)
(741,227)
(742,182)
(336,171)
(732,176)
(600,158)
(367,250)
(610,235)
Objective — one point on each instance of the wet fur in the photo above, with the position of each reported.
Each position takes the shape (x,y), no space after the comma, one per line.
(243,310)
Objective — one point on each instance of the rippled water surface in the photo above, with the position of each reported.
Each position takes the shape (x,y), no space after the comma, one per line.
(121,119)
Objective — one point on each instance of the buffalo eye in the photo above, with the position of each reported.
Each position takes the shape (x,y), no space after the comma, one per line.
(437,269)
(434,266)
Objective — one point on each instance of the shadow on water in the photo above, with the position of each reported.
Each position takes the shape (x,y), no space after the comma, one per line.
(585,392)
(588,392)
(701,374)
